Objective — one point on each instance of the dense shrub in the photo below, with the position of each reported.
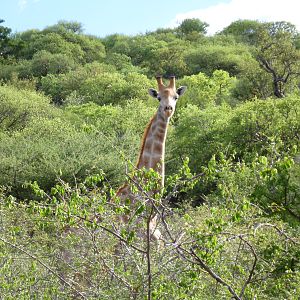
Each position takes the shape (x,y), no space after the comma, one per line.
(48,143)
(21,107)
(96,82)
(225,250)
(207,91)
(246,130)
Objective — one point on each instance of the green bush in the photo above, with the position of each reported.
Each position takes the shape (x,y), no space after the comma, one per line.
(114,88)
(205,91)
(48,142)
(98,83)
(246,130)
(214,251)
(21,107)
(208,58)
(60,86)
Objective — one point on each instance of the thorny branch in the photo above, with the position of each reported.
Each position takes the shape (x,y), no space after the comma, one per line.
(185,254)
(253,265)
(183,247)
(115,234)
(204,266)
(44,265)
(280,231)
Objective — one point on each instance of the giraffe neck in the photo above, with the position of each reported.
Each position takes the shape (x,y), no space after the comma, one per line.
(153,145)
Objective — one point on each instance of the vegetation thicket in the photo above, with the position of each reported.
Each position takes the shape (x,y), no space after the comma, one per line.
(73,108)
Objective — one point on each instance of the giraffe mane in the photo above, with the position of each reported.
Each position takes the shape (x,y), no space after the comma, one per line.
(146,131)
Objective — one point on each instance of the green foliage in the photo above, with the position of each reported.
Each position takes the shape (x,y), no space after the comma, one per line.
(114,88)
(20,108)
(119,127)
(63,38)
(207,91)
(151,53)
(73,108)
(61,86)
(275,51)
(243,30)
(192,25)
(48,143)
(211,57)
(253,82)
(213,251)
(122,63)
(44,63)
(98,83)
(53,43)
(63,27)
(4,39)
(247,130)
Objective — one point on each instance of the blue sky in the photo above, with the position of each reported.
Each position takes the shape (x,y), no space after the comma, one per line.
(104,17)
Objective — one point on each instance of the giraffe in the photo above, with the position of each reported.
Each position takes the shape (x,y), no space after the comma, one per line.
(152,151)
(151,155)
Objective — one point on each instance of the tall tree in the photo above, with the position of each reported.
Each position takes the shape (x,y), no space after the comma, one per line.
(243,30)
(72,26)
(190,27)
(277,54)
(4,39)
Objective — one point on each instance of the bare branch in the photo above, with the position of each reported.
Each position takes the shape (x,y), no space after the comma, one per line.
(112,233)
(204,266)
(253,266)
(45,266)
(148,254)
(280,231)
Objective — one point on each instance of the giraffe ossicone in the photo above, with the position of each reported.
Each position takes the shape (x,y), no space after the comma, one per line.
(152,151)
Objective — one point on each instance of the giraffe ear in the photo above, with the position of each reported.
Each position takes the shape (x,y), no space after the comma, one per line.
(153,93)
(181,90)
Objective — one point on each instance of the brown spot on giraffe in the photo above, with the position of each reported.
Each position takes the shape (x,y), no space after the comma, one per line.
(158,147)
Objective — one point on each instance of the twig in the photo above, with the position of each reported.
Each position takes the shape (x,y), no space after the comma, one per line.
(113,273)
(253,266)
(197,260)
(281,232)
(112,233)
(204,266)
(44,265)
(148,254)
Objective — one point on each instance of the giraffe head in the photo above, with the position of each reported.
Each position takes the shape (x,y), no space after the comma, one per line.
(167,96)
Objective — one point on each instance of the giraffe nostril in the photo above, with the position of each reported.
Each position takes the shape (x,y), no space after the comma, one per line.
(169,108)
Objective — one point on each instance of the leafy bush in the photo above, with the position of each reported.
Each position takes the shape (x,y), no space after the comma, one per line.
(96,82)
(44,63)
(114,88)
(208,58)
(60,86)
(205,91)
(246,130)
(48,143)
(227,250)
(21,107)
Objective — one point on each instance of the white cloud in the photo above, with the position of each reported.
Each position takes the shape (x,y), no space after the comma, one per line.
(22,4)
(221,15)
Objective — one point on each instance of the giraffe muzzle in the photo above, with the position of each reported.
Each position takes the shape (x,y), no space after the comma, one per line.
(168,111)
